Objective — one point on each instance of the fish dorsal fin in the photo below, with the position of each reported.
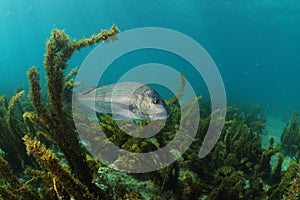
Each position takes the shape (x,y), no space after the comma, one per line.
(89,90)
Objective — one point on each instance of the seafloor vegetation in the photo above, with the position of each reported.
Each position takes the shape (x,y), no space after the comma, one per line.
(43,158)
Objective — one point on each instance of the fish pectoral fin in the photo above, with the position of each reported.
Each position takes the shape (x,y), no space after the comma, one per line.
(119,105)
(120,113)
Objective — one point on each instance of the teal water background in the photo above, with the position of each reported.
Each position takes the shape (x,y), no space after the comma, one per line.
(255,44)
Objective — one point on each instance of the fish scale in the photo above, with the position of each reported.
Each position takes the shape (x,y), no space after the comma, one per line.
(120,99)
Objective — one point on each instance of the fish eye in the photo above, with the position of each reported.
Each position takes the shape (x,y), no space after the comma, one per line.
(155,101)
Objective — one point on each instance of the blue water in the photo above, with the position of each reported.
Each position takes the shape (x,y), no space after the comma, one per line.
(255,44)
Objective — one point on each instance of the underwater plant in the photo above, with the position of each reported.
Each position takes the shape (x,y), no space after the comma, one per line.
(49,119)
(52,118)
(290,138)
(42,156)
(12,129)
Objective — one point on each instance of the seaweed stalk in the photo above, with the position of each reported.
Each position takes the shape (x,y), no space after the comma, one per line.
(11,105)
(51,164)
(14,189)
(59,49)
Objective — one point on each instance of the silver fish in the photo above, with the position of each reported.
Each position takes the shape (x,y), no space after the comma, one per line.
(125,100)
